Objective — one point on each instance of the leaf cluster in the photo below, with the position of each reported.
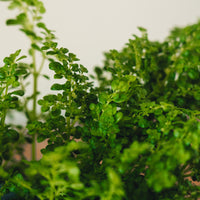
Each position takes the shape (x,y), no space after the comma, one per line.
(135,136)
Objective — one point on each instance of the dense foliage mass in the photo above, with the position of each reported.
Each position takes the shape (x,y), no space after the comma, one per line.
(135,136)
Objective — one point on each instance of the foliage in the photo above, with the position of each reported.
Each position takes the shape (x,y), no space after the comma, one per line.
(135,136)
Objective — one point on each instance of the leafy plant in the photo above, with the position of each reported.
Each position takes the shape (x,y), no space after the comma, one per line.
(135,136)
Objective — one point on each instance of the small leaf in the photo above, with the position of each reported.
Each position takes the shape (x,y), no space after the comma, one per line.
(18,92)
(58,76)
(41,25)
(20,72)
(45,48)
(56,112)
(114,85)
(119,97)
(41,102)
(56,66)
(12,134)
(118,116)
(83,69)
(57,86)
(143,123)
(20,58)
(45,108)
(103,98)
(7,60)
(50,98)
(142,29)
(35,46)
(2,75)
(51,52)
(45,76)
(75,67)
(11,22)
(92,106)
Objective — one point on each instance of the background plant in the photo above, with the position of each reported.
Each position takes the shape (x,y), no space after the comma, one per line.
(135,136)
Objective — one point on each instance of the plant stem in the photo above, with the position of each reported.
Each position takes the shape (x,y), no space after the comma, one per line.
(35,84)
(4,112)
(33,147)
(35,91)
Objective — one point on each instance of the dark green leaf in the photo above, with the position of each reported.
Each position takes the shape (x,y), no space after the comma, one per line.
(57,86)
(36,47)
(46,76)
(18,92)
(45,108)
(58,76)
(51,52)
(56,112)
(20,72)
(12,134)
(20,58)
(56,66)
(50,98)
(12,22)
(2,75)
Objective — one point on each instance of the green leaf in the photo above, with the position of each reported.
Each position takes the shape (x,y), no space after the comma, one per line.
(57,86)
(118,116)
(21,18)
(193,74)
(55,112)
(52,52)
(103,98)
(18,92)
(114,84)
(46,76)
(56,66)
(58,76)
(45,48)
(50,98)
(20,72)
(41,7)
(20,58)
(12,134)
(143,123)
(41,102)
(11,22)
(75,67)
(8,60)
(41,25)
(197,95)
(83,69)
(2,75)
(92,106)
(119,97)
(142,29)
(45,108)
(35,46)
(31,33)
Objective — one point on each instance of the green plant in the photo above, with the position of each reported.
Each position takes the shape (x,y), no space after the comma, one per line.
(135,136)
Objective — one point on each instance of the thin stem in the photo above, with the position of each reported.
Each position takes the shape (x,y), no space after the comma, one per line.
(34,110)
(33,147)
(4,112)
(30,24)
(42,64)
(35,91)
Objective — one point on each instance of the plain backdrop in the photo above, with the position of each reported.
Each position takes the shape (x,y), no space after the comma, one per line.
(90,27)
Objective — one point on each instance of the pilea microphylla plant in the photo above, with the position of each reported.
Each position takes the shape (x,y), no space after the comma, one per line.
(134,136)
